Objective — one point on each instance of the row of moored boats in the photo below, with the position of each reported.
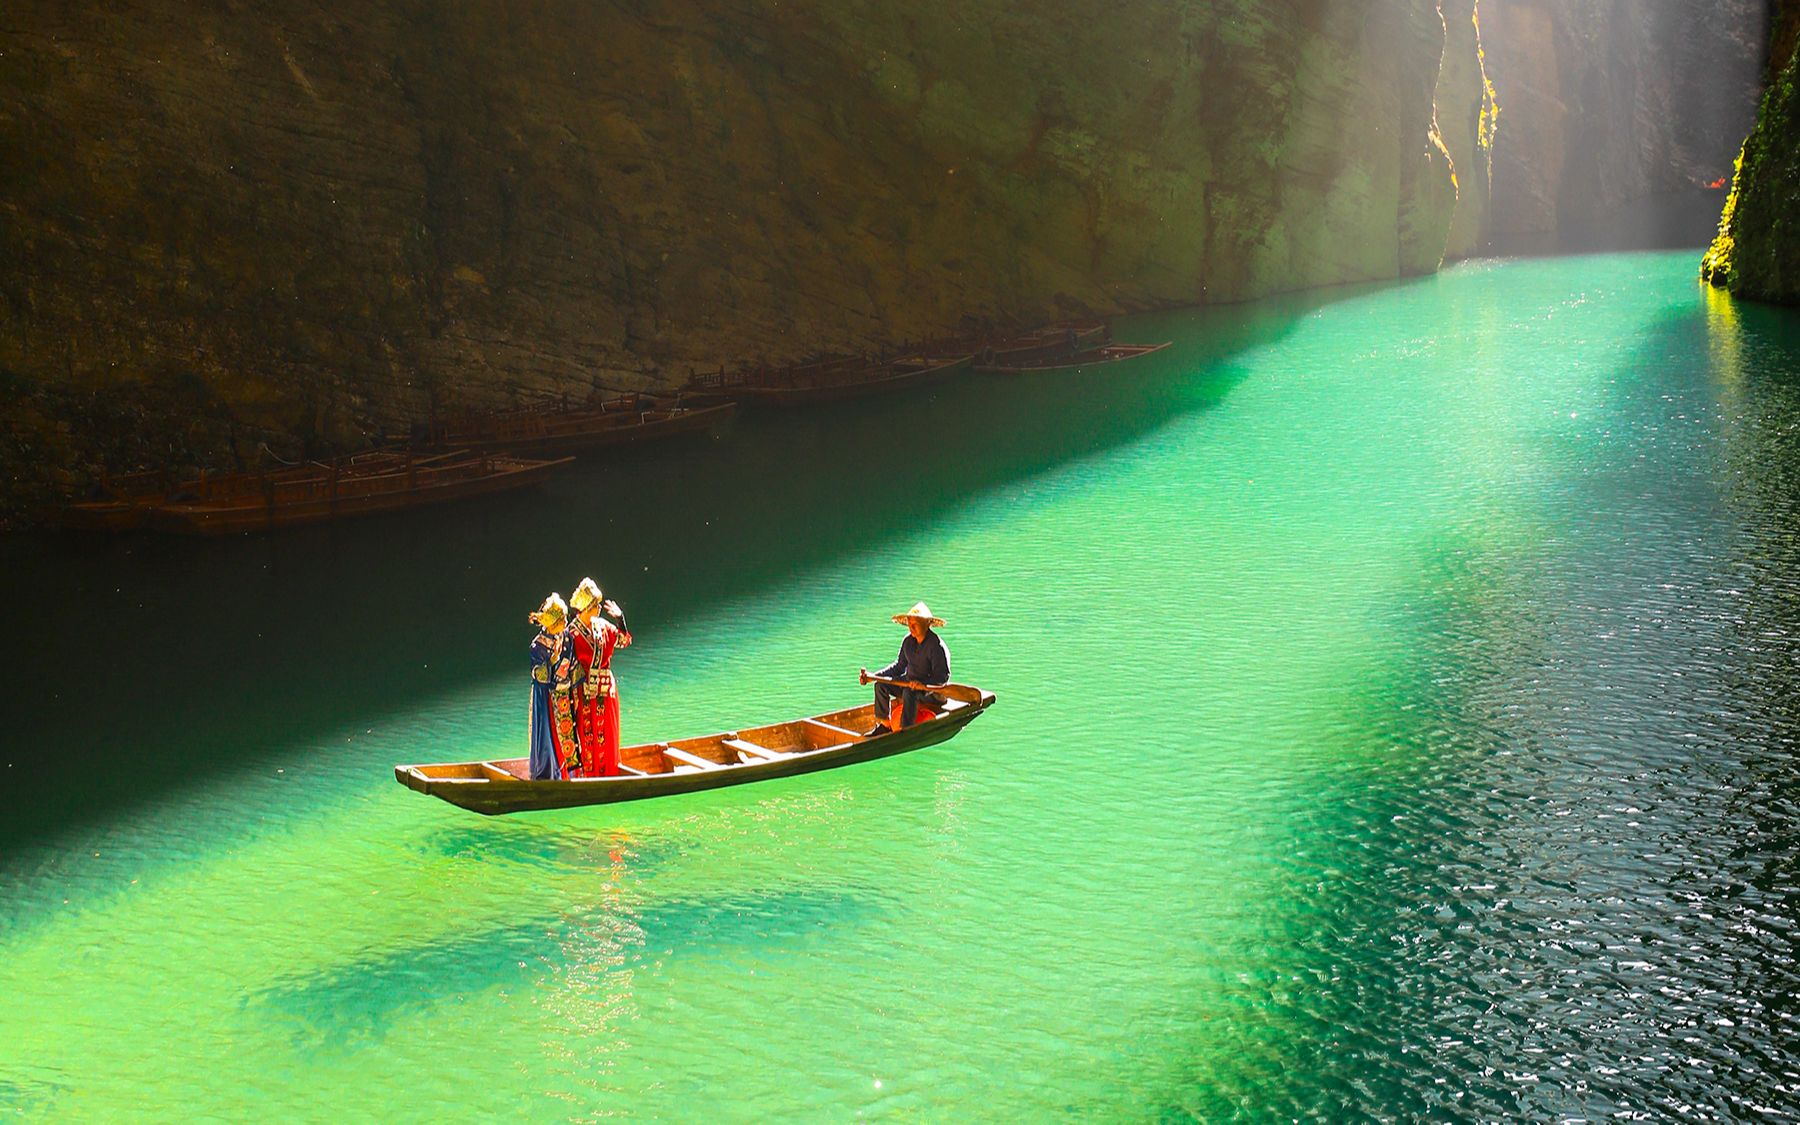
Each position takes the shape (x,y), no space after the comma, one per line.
(476,453)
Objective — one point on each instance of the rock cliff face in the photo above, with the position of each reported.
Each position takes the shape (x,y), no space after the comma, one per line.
(1757,251)
(301,223)
(1611,101)
(228,223)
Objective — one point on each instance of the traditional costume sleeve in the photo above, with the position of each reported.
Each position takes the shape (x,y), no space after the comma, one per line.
(540,659)
(562,661)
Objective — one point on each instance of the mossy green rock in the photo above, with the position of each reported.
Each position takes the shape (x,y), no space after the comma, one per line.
(1757,252)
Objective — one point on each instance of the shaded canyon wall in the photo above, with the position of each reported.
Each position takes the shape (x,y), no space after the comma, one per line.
(229,224)
(301,224)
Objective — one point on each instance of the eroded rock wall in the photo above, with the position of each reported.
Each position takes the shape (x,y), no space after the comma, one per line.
(1467,118)
(300,223)
(1606,102)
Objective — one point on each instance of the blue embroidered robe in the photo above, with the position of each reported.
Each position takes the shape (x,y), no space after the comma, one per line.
(545,761)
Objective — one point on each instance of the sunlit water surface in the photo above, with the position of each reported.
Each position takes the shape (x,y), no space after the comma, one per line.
(1397,710)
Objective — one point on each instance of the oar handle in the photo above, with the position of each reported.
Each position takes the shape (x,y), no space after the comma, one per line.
(914,684)
(954,691)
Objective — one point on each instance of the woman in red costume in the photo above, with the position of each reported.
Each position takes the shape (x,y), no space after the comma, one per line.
(595,693)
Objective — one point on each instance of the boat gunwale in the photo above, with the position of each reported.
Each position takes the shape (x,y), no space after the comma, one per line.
(248,513)
(597,428)
(1075,361)
(932,367)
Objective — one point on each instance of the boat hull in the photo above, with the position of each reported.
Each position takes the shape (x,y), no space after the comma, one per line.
(1093,357)
(1044,345)
(232,518)
(848,388)
(706,421)
(497,795)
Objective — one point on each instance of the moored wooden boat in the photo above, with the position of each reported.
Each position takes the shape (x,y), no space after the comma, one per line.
(551,430)
(115,503)
(125,503)
(1109,353)
(1044,343)
(394,483)
(692,765)
(128,513)
(832,380)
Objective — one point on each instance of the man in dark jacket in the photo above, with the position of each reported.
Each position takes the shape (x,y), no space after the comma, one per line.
(924,663)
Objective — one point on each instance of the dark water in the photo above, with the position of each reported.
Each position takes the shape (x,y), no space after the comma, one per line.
(1397,718)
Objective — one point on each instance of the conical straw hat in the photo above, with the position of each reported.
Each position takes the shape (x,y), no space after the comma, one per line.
(552,612)
(920,610)
(585,595)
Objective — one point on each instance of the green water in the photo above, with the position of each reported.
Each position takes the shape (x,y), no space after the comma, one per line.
(1397,717)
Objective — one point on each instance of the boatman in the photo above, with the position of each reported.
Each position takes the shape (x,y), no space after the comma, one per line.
(924,663)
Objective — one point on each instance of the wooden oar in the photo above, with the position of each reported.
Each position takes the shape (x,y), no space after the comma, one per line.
(951,691)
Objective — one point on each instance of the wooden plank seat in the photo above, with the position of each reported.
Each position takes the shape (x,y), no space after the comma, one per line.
(688,759)
(836,730)
(753,750)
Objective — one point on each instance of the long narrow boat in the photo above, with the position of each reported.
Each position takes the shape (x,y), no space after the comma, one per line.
(125,503)
(1045,343)
(627,420)
(692,765)
(284,501)
(833,381)
(1111,353)
(107,511)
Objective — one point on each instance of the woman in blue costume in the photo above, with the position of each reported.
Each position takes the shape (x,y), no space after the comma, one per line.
(550,726)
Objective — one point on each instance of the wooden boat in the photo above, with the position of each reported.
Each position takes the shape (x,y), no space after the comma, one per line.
(556,429)
(116,503)
(385,483)
(125,503)
(1045,343)
(106,512)
(692,765)
(831,380)
(1110,353)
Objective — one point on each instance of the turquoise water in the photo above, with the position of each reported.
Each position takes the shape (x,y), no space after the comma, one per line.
(1397,716)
